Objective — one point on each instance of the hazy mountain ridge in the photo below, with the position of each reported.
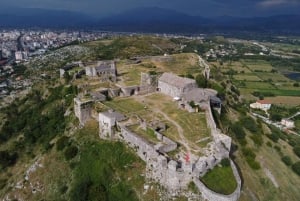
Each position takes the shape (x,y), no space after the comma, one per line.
(149,19)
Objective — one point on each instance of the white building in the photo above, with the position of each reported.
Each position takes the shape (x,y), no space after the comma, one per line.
(288,123)
(20,56)
(261,104)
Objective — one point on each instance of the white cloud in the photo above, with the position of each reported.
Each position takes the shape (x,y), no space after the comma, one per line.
(274,3)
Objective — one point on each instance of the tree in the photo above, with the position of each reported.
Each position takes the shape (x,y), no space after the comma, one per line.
(296,167)
(201,81)
(287,160)
(297,150)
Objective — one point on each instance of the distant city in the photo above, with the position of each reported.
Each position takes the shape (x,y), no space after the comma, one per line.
(18,46)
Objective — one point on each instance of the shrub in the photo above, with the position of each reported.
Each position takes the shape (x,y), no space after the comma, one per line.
(274,137)
(238,131)
(249,124)
(225,162)
(257,139)
(269,144)
(297,150)
(71,152)
(250,158)
(287,160)
(253,164)
(7,159)
(192,187)
(277,148)
(3,183)
(62,143)
(296,167)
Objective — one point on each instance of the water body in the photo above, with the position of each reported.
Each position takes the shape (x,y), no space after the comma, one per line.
(293,75)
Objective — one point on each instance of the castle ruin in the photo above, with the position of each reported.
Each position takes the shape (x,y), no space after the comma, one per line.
(173,174)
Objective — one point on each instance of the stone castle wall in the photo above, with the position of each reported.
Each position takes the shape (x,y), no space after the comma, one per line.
(144,149)
(213,196)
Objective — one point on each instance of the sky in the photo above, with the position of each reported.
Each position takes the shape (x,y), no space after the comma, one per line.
(206,8)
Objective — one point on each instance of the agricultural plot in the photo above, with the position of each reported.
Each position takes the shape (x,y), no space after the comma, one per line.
(236,66)
(247,77)
(284,100)
(258,65)
(275,77)
(255,85)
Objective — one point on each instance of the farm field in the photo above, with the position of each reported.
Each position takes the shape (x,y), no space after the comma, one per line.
(247,77)
(284,100)
(257,65)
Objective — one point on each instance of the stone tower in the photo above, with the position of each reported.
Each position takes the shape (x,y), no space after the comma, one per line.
(83,109)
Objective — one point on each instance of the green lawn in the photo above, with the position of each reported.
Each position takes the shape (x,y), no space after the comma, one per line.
(220,180)
(125,105)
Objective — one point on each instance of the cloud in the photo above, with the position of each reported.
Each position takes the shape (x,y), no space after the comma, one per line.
(275,3)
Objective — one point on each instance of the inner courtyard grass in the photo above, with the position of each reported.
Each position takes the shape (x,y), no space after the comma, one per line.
(220,180)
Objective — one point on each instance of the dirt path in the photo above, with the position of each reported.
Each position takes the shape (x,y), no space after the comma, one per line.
(268,173)
(179,129)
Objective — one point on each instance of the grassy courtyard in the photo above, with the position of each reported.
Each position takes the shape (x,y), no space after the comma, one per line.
(220,180)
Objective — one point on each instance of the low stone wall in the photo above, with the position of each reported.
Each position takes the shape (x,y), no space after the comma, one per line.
(143,148)
(114,92)
(129,91)
(169,145)
(213,196)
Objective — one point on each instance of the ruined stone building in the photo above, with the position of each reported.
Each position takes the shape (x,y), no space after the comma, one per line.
(83,109)
(107,123)
(105,70)
(173,85)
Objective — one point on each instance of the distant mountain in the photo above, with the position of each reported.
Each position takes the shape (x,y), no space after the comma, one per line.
(149,19)
(33,17)
(153,19)
(164,20)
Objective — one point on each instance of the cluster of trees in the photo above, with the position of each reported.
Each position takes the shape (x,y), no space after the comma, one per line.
(238,131)
(278,112)
(39,119)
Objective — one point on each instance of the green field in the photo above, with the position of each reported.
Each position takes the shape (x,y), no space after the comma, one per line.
(247,77)
(258,65)
(220,180)
(125,105)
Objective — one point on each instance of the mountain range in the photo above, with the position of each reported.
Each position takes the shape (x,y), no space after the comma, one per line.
(149,19)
